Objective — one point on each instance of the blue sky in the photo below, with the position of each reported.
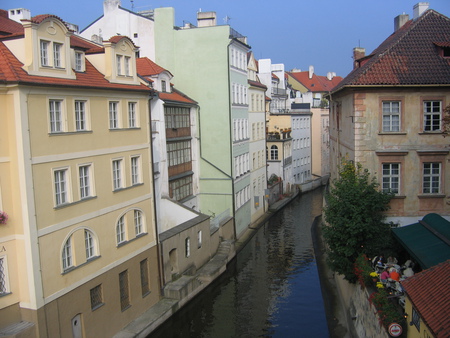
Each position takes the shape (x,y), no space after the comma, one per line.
(298,33)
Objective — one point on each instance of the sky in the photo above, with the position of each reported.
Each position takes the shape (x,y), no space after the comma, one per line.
(298,33)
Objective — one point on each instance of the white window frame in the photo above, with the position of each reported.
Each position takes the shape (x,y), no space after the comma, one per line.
(389,112)
(429,114)
(81,115)
(429,177)
(56,115)
(57,55)
(117,173)
(79,62)
(67,254)
(138,222)
(126,65)
(89,244)
(86,180)
(187,247)
(391,177)
(135,163)
(61,186)
(121,230)
(119,64)
(114,114)
(43,47)
(132,115)
(200,239)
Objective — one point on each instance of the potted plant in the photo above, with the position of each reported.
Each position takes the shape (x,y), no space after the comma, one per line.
(3,217)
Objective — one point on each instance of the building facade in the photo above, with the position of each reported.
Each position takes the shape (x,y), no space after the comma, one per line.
(76,182)
(387,114)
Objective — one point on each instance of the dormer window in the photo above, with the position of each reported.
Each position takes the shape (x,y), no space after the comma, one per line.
(163,86)
(127,65)
(119,64)
(78,61)
(44,53)
(57,47)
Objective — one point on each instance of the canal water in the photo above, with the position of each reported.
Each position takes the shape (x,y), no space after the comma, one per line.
(271,288)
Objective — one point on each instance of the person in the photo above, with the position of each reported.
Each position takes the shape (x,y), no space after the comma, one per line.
(384,276)
(408,272)
(394,275)
(392,260)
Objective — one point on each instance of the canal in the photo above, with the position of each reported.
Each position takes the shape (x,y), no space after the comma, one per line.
(271,288)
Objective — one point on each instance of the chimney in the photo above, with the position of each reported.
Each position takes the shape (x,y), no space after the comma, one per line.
(110,5)
(358,53)
(311,71)
(206,19)
(419,8)
(18,14)
(331,75)
(400,20)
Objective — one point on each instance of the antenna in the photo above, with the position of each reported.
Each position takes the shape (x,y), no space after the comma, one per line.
(132,5)
(226,19)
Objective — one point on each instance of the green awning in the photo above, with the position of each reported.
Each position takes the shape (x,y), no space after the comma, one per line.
(427,241)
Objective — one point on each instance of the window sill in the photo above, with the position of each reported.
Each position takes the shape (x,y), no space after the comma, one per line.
(392,133)
(436,132)
(127,188)
(4,294)
(398,197)
(75,267)
(431,196)
(98,306)
(125,242)
(61,206)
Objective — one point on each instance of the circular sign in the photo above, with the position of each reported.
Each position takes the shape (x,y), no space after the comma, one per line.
(395,330)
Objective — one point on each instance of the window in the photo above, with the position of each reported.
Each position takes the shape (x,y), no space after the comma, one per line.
(391,177)
(179,152)
(416,319)
(124,290)
(431,178)
(113,115)
(145,283)
(80,115)
(274,152)
(96,297)
(187,247)
(199,234)
(117,174)
(56,124)
(132,115)
(177,117)
(119,64)
(89,244)
(84,173)
(44,53)
(67,254)
(4,285)
(432,111)
(391,116)
(135,170)
(163,86)
(78,62)
(180,188)
(120,230)
(57,57)
(138,227)
(61,185)
(127,65)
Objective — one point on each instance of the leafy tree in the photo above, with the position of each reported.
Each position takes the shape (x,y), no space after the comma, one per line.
(354,216)
(446,121)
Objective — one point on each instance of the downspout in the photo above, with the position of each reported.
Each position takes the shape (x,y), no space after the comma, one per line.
(233,203)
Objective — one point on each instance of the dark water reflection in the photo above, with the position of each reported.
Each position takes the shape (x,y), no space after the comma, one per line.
(271,289)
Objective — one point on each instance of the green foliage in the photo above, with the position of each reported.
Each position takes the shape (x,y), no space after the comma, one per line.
(387,311)
(363,271)
(354,214)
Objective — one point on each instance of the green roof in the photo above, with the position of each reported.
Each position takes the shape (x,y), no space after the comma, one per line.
(427,241)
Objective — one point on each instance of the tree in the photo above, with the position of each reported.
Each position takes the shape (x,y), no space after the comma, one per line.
(446,121)
(354,214)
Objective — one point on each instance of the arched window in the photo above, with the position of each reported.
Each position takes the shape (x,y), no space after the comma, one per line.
(120,230)
(274,152)
(89,244)
(138,224)
(67,254)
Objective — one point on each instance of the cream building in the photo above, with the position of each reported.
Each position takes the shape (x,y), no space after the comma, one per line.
(75,180)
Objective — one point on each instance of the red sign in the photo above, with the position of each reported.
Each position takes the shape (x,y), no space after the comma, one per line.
(395,330)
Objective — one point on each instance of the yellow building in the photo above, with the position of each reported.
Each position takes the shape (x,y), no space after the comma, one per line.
(387,114)
(78,253)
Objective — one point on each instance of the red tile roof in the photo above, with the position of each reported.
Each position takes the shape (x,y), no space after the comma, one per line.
(408,57)
(176,96)
(256,84)
(8,26)
(147,67)
(11,72)
(429,291)
(316,83)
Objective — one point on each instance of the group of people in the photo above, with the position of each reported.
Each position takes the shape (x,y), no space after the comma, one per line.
(390,270)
